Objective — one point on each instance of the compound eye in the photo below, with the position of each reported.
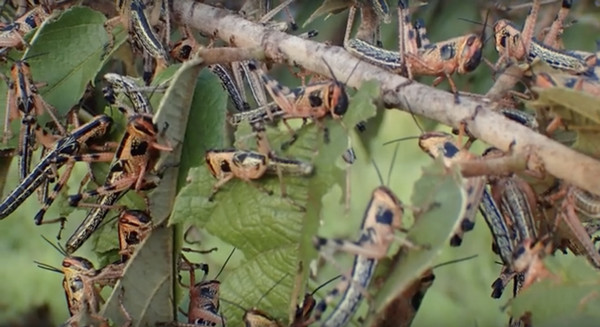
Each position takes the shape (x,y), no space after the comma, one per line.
(503,41)
(225,166)
(471,40)
(342,104)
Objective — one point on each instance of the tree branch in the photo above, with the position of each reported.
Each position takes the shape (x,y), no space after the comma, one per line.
(397,91)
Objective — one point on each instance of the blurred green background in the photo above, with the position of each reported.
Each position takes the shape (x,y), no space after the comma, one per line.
(460,293)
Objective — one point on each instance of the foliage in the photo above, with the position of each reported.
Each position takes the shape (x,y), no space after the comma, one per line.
(273,237)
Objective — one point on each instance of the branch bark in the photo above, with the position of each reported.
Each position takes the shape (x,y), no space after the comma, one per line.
(397,91)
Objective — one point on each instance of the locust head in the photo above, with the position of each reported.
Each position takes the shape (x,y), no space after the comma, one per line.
(470,54)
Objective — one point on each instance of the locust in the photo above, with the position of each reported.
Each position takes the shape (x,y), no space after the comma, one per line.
(517,203)
(250,165)
(254,317)
(302,316)
(504,240)
(12,35)
(82,284)
(402,310)
(132,14)
(24,101)
(441,145)
(417,56)
(203,309)
(314,101)
(133,227)
(511,43)
(382,217)
(136,155)
(128,86)
(572,201)
(66,152)
(232,78)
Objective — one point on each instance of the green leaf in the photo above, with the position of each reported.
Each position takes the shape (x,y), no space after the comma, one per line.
(175,111)
(66,69)
(151,298)
(578,102)
(146,283)
(363,103)
(587,142)
(243,215)
(569,297)
(188,204)
(366,97)
(578,110)
(206,124)
(271,271)
(440,194)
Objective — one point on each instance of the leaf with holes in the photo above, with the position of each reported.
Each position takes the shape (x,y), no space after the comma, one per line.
(273,234)
(440,196)
(148,278)
(578,284)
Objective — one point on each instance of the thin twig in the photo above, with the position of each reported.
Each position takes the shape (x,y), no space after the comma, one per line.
(397,91)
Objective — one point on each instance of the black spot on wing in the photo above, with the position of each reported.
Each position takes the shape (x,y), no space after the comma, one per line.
(225,166)
(385,217)
(450,150)
(139,148)
(315,99)
(447,51)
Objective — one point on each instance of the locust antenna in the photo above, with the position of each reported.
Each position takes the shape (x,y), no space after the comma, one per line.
(378,171)
(325,284)
(270,289)
(58,247)
(389,176)
(401,139)
(48,267)
(225,263)
(455,261)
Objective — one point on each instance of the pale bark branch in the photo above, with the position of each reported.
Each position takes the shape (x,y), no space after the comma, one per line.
(397,91)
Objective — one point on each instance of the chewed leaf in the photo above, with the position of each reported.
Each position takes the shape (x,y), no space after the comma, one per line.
(579,112)
(65,70)
(571,296)
(146,283)
(580,103)
(362,108)
(328,7)
(269,227)
(440,195)
(362,104)
(572,104)
(104,239)
(150,299)
(192,200)
(265,228)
